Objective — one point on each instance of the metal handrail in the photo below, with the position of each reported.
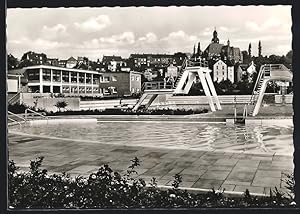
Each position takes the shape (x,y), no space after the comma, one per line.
(9,112)
(245,112)
(34,112)
(260,74)
(14,121)
(157,85)
(19,92)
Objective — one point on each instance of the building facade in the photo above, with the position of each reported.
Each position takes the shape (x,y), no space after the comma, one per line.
(120,83)
(220,71)
(79,82)
(216,51)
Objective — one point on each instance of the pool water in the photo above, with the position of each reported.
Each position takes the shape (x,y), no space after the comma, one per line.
(274,138)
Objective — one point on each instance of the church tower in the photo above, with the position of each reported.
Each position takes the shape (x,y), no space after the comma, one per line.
(215,38)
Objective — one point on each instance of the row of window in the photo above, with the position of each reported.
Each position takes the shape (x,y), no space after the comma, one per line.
(135,78)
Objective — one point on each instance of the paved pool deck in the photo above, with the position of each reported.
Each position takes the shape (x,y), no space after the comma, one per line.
(199,169)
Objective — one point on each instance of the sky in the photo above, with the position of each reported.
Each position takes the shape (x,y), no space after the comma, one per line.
(94,32)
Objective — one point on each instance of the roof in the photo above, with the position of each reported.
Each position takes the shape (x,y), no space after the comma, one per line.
(214,48)
(61,68)
(244,66)
(71,59)
(16,71)
(150,55)
(111,58)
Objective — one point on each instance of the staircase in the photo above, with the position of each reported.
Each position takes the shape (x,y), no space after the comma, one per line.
(266,73)
(187,75)
(181,72)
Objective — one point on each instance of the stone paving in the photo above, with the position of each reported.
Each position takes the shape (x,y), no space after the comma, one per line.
(199,169)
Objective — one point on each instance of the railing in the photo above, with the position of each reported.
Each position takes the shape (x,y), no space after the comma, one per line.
(259,76)
(196,63)
(15,115)
(265,71)
(15,121)
(245,112)
(157,86)
(18,93)
(35,113)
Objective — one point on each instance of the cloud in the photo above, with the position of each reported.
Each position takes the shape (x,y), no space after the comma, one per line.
(269,24)
(125,38)
(94,24)
(54,32)
(149,38)
(180,36)
(38,45)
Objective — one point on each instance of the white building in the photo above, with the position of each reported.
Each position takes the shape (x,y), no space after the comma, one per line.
(219,71)
(172,71)
(251,69)
(230,73)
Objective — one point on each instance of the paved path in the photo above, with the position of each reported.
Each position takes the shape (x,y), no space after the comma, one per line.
(199,169)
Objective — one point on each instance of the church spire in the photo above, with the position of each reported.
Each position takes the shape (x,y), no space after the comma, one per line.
(215,38)
(198,49)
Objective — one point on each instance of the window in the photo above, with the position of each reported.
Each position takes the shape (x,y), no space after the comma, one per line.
(217,67)
(65,76)
(34,89)
(66,89)
(223,67)
(56,75)
(132,78)
(137,78)
(114,78)
(74,77)
(95,79)
(88,78)
(106,79)
(46,75)
(46,89)
(33,74)
(81,77)
(132,90)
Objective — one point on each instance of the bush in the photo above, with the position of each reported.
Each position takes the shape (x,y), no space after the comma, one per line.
(115,111)
(61,105)
(20,108)
(108,189)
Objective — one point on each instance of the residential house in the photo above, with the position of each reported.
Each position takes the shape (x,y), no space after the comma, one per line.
(172,71)
(220,72)
(113,63)
(71,62)
(34,58)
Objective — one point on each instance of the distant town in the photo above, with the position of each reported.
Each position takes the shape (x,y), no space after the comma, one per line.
(233,71)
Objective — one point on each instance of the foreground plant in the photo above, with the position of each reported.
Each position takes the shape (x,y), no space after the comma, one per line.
(108,189)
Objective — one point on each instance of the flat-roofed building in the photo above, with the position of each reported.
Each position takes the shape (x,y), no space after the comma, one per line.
(52,79)
(79,82)
(120,83)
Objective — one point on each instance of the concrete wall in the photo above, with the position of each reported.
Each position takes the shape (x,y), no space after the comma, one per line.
(48,103)
(288,99)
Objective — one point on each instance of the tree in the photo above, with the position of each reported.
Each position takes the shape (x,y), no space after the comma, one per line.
(61,105)
(249,50)
(198,49)
(259,49)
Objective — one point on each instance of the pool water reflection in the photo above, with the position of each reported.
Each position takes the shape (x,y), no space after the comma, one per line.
(276,138)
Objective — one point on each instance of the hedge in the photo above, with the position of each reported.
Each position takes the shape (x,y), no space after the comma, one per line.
(108,189)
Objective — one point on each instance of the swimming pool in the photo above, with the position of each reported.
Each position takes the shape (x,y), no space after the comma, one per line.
(253,138)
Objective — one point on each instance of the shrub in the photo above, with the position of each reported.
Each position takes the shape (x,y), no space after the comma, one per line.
(115,111)
(108,189)
(61,105)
